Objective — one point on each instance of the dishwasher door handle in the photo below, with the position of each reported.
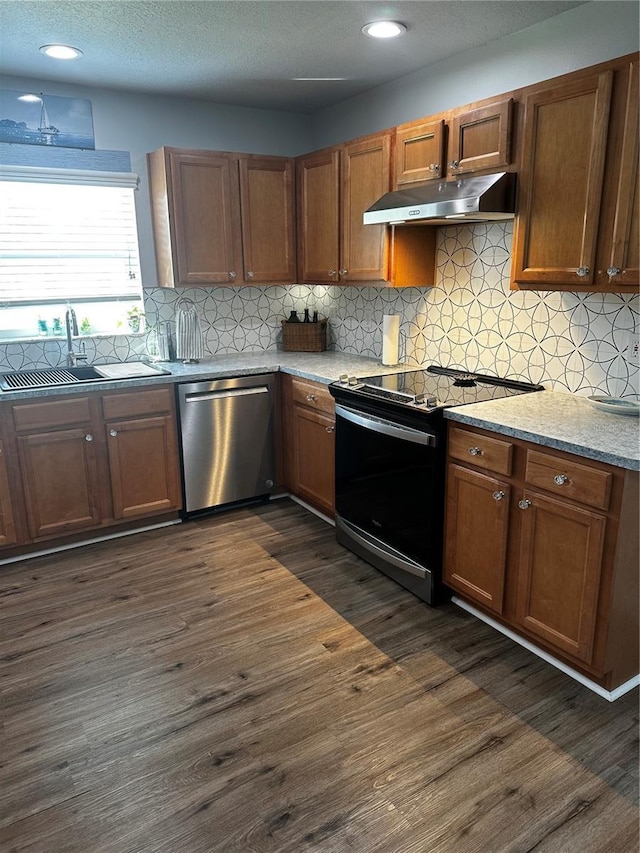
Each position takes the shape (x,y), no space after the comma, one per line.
(207,396)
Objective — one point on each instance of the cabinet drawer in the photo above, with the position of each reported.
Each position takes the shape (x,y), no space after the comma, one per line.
(313,395)
(568,479)
(53,413)
(492,454)
(130,404)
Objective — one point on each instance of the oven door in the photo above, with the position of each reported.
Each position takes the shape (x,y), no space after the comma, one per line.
(389,495)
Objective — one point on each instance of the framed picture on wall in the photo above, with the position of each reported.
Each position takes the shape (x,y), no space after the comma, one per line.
(28,118)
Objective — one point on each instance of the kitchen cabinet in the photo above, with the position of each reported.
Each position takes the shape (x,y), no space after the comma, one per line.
(92,461)
(578,183)
(222,218)
(142,451)
(309,446)
(543,542)
(334,188)
(468,140)
(8,533)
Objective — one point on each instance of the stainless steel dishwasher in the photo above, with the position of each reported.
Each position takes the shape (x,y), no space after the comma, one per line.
(227,440)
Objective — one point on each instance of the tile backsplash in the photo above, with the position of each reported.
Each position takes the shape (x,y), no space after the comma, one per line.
(470,319)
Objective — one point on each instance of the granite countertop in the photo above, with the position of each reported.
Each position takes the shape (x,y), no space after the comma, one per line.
(560,420)
(320,366)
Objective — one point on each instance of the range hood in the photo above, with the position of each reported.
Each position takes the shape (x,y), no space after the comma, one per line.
(480,198)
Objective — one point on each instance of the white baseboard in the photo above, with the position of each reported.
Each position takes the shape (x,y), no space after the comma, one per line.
(609,695)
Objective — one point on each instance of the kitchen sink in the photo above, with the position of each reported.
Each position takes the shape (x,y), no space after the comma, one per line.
(53,377)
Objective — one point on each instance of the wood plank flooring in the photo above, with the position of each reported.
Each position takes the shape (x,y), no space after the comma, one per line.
(243,683)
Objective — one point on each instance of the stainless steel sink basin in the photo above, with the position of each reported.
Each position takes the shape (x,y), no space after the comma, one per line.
(53,377)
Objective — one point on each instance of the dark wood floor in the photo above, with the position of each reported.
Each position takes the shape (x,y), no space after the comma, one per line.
(243,683)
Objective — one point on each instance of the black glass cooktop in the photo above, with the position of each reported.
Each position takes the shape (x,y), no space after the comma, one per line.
(433,388)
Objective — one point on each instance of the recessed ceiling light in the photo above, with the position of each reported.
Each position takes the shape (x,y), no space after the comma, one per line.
(61,51)
(384,29)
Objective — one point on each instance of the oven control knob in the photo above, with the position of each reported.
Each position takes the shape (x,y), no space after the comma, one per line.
(344,378)
(353,380)
(419,399)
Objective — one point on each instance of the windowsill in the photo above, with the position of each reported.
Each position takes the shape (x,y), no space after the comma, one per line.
(36,339)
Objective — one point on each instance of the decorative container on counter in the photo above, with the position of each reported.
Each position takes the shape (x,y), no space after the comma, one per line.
(304,337)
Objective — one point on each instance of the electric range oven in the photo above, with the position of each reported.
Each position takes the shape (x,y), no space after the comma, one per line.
(390,466)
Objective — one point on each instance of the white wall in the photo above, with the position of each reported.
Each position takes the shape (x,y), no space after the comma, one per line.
(592,33)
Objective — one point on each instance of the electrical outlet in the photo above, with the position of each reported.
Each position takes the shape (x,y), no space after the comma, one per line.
(632,349)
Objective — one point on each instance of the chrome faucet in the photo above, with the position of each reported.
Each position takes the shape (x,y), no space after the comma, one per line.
(71,323)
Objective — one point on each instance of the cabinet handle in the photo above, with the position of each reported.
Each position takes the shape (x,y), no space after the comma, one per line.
(330,428)
(232,275)
(498,496)
(475,451)
(524,504)
(612,272)
(88,437)
(434,167)
(332,272)
(560,479)
(113,432)
(311,398)
(454,164)
(582,271)
(343,271)
(249,275)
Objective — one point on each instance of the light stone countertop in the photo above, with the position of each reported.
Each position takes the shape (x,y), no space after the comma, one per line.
(320,366)
(560,420)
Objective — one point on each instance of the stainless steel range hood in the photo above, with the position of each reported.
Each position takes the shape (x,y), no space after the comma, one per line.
(481,198)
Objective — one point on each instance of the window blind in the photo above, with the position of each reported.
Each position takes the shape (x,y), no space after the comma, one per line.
(67,241)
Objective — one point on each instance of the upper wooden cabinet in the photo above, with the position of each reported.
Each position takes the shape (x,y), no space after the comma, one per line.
(222,218)
(577,221)
(469,140)
(334,188)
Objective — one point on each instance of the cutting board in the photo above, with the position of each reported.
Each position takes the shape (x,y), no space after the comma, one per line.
(129,370)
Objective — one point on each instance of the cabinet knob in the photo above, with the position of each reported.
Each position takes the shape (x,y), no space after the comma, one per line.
(434,167)
(88,437)
(343,271)
(332,272)
(249,275)
(612,272)
(311,398)
(582,272)
(113,432)
(475,451)
(524,504)
(560,479)
(454,164)
(498,496)
(232,275)
(330,428)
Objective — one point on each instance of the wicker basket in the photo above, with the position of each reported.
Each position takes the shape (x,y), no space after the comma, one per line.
(304,337)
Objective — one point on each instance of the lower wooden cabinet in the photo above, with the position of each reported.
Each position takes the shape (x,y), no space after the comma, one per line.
(547,545)
(8,534)
(89,462)
(308,442)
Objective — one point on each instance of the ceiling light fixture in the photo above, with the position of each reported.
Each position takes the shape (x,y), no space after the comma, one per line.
(61,51)
(384,29)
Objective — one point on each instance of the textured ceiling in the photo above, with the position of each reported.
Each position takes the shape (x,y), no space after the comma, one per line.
(245,53)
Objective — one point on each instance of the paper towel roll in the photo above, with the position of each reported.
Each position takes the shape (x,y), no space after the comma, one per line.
(390,338)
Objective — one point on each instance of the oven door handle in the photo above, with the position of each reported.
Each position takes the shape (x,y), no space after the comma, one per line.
(387,427)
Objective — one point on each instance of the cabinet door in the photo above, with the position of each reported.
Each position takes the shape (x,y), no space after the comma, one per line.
(143,461)
(419,152)
(7,524)
(60,481)
(313,457)
(480,139)
(558,573)
(205,219)
(318,184)
(366,173)
(623,260)
(267,202)
(565,136)
(477,519)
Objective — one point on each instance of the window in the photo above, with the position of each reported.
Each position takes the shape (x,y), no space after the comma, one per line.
(67,236)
